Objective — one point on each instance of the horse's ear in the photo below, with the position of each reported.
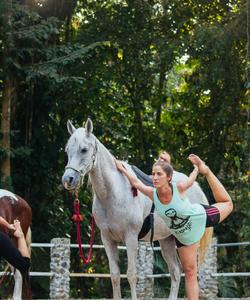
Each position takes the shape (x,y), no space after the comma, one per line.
(71,127)
(89,126)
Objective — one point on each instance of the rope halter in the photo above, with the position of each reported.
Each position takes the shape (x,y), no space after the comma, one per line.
(88,167)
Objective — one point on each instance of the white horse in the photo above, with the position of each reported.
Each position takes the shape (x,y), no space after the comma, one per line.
(118,214)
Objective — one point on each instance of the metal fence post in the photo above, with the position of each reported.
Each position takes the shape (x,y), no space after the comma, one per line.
(59,266)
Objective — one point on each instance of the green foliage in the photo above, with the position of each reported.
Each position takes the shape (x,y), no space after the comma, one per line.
(228,288)
(151,75)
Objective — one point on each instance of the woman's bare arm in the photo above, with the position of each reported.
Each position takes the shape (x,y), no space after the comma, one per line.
(21,242)
(184,185)
(134,181)
(6,224)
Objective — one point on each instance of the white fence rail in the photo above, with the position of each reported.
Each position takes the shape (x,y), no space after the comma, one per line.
(60,268)
(96,275)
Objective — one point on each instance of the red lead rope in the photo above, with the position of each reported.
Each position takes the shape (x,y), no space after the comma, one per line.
(77,218)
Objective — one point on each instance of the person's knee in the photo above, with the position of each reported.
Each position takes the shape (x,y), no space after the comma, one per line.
(190,272)
(230,205)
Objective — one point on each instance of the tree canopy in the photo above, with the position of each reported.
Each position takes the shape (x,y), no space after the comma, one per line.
(152,75)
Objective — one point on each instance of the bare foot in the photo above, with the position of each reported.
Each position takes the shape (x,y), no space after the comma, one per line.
(165,157)
(195,160)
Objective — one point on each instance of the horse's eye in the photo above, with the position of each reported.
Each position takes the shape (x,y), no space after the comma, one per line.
(83,150)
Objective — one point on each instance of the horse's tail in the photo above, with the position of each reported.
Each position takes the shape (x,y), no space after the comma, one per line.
(204,243)
(26,275)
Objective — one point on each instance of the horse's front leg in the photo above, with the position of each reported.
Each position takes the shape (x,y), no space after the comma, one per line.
(17,293)
(113,258)
(132,245)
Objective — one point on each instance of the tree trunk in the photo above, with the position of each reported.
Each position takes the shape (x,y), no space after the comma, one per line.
(8,89)
(5,127)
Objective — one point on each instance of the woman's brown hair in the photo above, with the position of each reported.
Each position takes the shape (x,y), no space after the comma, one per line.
(166,167)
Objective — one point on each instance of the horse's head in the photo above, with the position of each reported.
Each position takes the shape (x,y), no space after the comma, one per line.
(81,150)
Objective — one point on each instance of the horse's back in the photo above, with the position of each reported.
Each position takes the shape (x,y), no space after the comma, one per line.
(14,207)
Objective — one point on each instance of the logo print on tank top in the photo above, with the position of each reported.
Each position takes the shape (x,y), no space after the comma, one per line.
(176,222)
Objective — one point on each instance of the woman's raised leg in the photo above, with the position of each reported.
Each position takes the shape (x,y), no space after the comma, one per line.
(223,200)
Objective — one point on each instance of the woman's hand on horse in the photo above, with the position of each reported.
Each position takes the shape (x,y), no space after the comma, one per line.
(119,165)
(11,227)
(18,233)
(6,224)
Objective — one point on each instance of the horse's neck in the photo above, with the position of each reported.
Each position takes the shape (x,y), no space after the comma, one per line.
(102,174)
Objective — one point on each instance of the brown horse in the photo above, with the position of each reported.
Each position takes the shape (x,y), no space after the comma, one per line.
(14,207)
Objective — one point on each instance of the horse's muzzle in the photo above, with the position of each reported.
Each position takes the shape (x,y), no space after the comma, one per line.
(71,179)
